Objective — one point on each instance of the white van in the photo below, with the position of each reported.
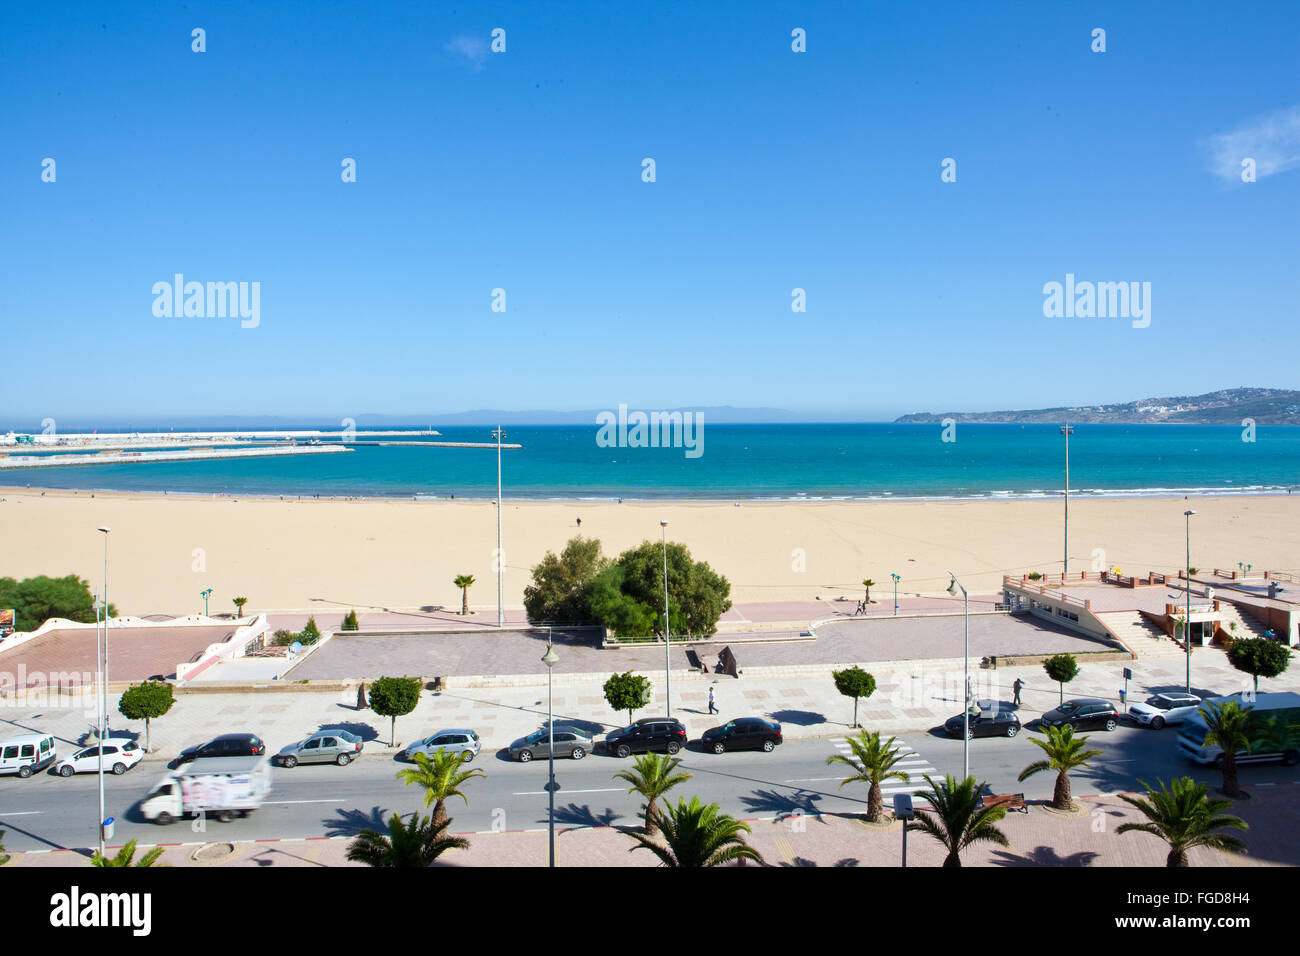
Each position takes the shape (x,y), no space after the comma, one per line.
(26,755)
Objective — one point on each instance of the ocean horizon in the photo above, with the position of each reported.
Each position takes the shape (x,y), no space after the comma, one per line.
(776,462)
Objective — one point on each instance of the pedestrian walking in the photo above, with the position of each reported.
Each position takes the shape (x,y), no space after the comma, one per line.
(713,707)
(1016,688)
(579,522)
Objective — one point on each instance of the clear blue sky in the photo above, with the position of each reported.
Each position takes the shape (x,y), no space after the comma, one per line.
(522,171)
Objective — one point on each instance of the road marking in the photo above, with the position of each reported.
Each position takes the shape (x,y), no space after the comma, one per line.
(21,813)
(540,793)
(265,802)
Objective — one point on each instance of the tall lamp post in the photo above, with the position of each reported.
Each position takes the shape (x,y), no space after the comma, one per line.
(99,719)
(896,580)
(965,712)
(549,660)
(501,616)
(1187,626)
(668,671)
(104,675)
(1067,431)
(204,594)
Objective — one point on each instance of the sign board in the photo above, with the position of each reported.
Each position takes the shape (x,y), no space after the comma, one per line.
(6,622)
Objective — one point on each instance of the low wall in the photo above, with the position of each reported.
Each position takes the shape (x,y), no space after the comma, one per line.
(227,650)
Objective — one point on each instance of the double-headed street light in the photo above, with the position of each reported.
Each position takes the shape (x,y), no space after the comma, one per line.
(1067,431)
(549,660)
(965,713)
(896,580)
(205,594)
(668,670)
(1187,627)
(102,654)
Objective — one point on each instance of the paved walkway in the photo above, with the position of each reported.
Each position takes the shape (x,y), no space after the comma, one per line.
(1040,837)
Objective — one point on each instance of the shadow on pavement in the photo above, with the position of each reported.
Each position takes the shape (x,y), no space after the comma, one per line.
(367,733)
(800,718)
(576,817)
(784,803)
(1043,856)
(348,823)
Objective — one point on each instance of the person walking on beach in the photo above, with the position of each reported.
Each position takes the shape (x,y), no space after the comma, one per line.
(579,522)
(1016,688)
(713,707)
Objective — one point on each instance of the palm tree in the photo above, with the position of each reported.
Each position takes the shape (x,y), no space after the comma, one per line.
(441,776)
(1184,816)
(1064,753)
(3,858)
(868,584)
(463,581)
(956,818)
(125,855)
(239,603)
(652,776)
(873,764)
(418,844)
(696,835)
(1228,726)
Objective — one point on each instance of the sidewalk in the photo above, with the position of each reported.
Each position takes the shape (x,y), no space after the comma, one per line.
(1040,837)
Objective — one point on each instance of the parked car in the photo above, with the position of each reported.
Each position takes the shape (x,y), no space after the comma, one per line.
(744,733)
(648,733)
(569,742)
(120,755)
(27,754)
(331,745)
(1164,709)
(985,723)
(1083,713)
(464,742)
(227,745)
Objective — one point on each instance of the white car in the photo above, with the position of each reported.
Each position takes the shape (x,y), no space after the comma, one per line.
(120,755)
(1164,709)
(461,741)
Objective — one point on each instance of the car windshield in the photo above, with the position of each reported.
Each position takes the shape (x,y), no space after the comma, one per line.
(1160,703)
(1068,707)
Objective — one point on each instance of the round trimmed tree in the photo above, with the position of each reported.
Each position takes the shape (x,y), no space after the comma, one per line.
(1062,668)
(394,697)
(628,692)
(1259,657)
(145,702)
(854,682)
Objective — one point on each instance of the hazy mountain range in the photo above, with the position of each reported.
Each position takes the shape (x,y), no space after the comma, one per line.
(1229,406)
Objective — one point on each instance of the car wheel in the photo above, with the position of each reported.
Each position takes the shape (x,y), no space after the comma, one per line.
(768,746)
(674,747)
(119,769)
(66,771)
(623,750)
(578,753)
(719,747)
(1013,729)
(970,733)
(225,816)
(1291,758)
(291,761)
(1157,723)
(163,818)
(24,772)
(1111,723)
(344,760)
(468,756)
(525,756)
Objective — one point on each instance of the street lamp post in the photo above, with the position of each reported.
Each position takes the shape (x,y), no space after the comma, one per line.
(99,707)
(965,713)
(501,616)
(1067,431)
(104,675)
(549,660)
(896,580)
(204,594)
(1187,626)
(668,671)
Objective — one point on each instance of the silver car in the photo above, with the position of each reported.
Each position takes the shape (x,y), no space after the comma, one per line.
(569,742)
(464,742)
(1165,709)
(331,745)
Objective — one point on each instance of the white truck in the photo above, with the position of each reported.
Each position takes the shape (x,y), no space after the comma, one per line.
(220,786)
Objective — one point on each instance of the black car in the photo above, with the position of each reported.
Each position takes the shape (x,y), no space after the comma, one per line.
(985,723)
(227,745)
(648,733)
(1083,713)
(744,733)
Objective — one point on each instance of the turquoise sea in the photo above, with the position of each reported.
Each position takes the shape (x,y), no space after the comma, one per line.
(788,461)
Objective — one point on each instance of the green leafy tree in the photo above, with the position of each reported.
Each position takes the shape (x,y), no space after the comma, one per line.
(126,855)
(696,835)
(854,682)
(1064,753)
(622,614)
(868,584)
(394,697)
(873,764)
(464,582)
(239,603)
(145,702)
(350,622)
(417,844)
(1062,668)
(652,776)
(1228,725)
(956,818)
(36,600)
(1034,576)
(441,775)
(310,633)
(697,595)
(561,588)
(1259,657)
(628,692)
(1184,816)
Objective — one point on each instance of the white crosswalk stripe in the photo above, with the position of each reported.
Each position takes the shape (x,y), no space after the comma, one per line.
(912,764)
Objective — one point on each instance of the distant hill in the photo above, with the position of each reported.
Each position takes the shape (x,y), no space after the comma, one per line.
(1267,406)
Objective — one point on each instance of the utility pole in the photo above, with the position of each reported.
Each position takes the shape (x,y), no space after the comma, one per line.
(1067,431)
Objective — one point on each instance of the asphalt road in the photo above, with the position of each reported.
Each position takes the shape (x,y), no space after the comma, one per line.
(47,812)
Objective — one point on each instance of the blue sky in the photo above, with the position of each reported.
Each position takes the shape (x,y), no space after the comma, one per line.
(522,171)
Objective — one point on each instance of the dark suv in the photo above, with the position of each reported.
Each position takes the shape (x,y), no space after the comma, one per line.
(744,733)
(227,745)
(648,733)
(1083,713)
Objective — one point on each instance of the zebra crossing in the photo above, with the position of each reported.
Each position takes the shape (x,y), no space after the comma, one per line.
(912,764)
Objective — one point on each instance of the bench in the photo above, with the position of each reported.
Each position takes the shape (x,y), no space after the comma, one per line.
(1011,801)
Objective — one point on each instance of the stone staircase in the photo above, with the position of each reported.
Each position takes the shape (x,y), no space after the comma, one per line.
(1140,635)
(1247,624)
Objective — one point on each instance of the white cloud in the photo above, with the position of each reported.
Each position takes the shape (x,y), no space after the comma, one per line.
(472,49)
(1272,140)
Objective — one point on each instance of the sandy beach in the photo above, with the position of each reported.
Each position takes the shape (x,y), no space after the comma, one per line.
(325,554)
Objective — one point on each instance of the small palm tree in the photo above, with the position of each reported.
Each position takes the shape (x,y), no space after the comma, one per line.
(1064,753)
(463,581)
(652,776)
(956,819)
(441,777)
(868,584)
(696,835)
(125,855)
(417,844)
(1228,726)
(1184,816)
(239,603)
(873,764)
(3,858)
